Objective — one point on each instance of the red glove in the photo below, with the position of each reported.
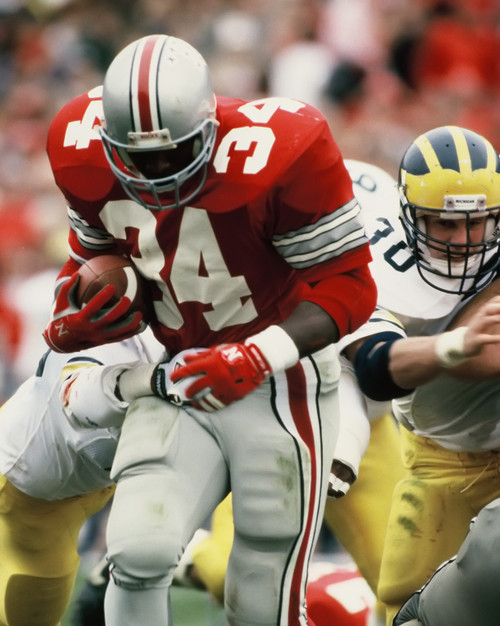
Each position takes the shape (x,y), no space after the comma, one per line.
(224,374)
(72,328)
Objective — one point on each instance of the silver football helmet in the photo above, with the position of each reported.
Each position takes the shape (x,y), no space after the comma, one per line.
(159,124)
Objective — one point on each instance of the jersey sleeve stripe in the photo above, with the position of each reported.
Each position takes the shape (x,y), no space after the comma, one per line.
(327,222)
(89,237)
(379,322)
(329,237)
(83,360)
(327,252)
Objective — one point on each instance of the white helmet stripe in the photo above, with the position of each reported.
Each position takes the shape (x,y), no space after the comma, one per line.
(143,87)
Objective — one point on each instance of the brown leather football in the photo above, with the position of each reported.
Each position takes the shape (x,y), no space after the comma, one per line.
(108,269)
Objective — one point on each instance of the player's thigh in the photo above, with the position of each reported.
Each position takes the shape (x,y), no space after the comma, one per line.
(164,493)
(44,534)
(429,518)
(279,460)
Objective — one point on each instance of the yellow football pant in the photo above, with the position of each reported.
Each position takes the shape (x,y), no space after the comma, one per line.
(38,553)
(210,556)
(358,519)
(431,512)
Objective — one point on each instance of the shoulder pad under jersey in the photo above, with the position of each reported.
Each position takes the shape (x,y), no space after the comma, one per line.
(401,289)
(290,117)
(375,189)
(255,128)
(75,149)
(275,147)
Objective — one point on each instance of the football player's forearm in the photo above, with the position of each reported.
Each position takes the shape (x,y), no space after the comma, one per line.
(468,351)
(354,427)
(98,397)
(413,361)
(461,352)
(348,298)
(310,327)
(390,366)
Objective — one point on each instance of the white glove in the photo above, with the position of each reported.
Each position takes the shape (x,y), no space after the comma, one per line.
(161,384)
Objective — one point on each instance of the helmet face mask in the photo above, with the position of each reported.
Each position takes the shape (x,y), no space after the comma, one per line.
(159,123)
(446,175)
(139,170)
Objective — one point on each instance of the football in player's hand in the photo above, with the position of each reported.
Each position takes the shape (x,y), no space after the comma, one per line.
(108,269)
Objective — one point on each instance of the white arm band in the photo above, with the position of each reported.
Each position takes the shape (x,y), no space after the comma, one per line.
(277,347)
(450,347)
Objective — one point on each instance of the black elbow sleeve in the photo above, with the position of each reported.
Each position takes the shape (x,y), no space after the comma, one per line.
(371,365)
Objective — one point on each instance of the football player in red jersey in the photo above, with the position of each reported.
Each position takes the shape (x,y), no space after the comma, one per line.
(338,595)
(242,217)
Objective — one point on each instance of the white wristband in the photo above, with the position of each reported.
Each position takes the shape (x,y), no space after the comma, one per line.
(450,347)
(277,347)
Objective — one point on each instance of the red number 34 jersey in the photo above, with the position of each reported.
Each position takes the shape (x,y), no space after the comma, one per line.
(275,223)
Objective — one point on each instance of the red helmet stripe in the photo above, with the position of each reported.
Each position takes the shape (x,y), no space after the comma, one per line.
(145,102)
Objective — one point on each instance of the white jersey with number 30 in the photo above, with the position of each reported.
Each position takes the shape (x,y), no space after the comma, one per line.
(459,415)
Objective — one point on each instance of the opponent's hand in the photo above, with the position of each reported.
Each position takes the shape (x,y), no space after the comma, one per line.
(483,327)
(223,374)
(341,479)
(72,328)
(161,383)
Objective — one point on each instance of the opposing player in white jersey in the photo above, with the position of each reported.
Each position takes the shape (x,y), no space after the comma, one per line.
(54,474)
(58,436)
(440,253)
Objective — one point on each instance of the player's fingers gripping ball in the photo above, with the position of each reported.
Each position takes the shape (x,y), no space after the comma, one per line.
(96,306)
(223,374)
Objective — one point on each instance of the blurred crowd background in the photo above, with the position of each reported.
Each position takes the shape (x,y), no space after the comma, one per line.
(382,71)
